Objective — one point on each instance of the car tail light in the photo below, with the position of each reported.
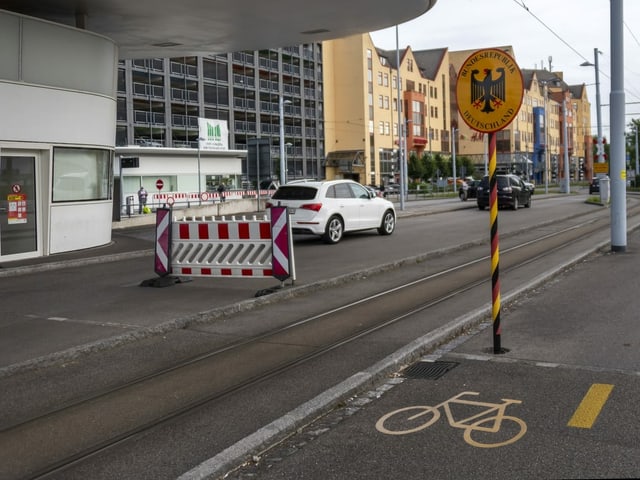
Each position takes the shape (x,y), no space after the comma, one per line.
(311,206)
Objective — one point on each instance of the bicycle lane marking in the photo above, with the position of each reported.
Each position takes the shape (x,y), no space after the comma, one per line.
(488,421)
(589,409)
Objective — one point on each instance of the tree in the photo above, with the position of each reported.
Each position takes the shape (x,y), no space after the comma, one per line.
(633,127)
(415,167)
(465,166)
(429,166)
(442,164)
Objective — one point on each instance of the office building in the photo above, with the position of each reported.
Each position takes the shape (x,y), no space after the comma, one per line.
(161,99)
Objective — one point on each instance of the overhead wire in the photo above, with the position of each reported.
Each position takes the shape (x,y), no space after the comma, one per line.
(522,4)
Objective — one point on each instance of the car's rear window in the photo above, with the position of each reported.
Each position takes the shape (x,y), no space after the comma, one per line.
(503,181)
(295,192)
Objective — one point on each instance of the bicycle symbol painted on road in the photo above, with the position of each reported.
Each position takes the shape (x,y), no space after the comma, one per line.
(489,421)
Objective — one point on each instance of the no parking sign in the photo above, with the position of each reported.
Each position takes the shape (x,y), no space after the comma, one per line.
(17,205)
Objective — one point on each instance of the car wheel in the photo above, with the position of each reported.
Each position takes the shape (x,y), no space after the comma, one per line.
(333,231)
(388,224)
(480,207)
(528,204)
(515,203)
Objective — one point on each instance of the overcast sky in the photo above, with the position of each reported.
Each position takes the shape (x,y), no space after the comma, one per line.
(565,30)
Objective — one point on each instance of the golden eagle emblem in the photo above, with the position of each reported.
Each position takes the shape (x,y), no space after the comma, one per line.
(488,92)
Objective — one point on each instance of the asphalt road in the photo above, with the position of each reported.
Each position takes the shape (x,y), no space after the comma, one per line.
(92,304)
(572,371)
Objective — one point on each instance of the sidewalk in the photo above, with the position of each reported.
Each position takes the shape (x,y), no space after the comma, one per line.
(578,331)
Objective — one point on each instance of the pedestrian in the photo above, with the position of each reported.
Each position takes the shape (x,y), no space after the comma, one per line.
(221,191)
(142,199)
(464,190)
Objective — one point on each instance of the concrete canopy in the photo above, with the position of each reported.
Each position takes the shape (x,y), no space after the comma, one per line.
(166,28)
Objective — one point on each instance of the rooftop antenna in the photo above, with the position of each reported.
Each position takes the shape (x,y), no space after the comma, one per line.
(550,58)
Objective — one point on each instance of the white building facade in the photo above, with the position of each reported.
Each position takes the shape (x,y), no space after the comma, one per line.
(57,87)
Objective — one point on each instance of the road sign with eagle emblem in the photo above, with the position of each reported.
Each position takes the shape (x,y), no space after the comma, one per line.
(490,90)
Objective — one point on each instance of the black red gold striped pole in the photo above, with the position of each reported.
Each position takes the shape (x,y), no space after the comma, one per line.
(489,93)
(495,245)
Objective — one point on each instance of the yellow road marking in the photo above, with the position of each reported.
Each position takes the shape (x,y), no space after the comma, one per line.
(589,409)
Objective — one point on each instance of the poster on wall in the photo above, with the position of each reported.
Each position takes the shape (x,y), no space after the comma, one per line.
(213,134)
(17,208)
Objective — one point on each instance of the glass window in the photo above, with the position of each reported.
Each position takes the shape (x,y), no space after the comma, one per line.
(295,192)
(359,191)
(81,174)
(343,191)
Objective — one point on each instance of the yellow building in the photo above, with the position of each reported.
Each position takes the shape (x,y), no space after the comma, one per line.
(364,135)
(362,132)
(583,150)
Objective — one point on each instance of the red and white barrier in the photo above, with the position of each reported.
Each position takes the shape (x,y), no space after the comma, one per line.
(172,198)
(163,242)
(224,248)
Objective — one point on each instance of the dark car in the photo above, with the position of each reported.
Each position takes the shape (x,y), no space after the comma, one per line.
(392,188)
(512,192)
(470,191)
(594,186)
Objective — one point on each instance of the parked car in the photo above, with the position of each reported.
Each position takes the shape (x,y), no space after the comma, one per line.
(470,191)
(530,185)
(391,189)
(594,186)
(512,192)
(330,208)
(375,189)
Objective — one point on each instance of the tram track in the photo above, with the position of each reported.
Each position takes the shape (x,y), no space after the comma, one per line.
(61,438)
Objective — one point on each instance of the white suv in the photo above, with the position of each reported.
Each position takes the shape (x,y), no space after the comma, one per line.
(332,207)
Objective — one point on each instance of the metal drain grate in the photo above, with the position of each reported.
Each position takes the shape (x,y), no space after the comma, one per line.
(428,370)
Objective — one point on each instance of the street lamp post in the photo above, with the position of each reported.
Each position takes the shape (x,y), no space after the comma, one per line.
(286,157)
(567,188)
(635,180)
(453,156)
(401,138)
(199,179)
(547,152)
(599,149)
(283,164)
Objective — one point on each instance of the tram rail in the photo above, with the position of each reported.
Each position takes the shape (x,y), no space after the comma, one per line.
(34,447)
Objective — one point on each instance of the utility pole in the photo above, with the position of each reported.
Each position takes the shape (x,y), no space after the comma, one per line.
(567,187)
(401,137)
(617,165)
(599,147)
(637,171)
(547,160)
(453,157)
